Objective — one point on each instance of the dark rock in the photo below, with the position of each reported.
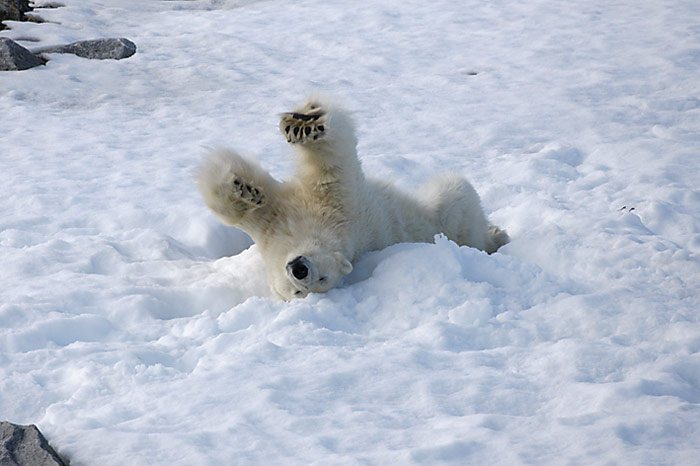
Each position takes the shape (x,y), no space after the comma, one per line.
(99,49)
(15,57)
(13,10)
(25,446)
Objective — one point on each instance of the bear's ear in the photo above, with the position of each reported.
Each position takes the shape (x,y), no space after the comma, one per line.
(345,265)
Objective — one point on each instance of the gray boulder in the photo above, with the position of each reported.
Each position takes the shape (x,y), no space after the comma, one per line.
(100,49)
(13,10)
(25,446)
(15,57)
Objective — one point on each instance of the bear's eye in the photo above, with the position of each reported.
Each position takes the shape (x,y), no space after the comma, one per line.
(297,292)
(322,279)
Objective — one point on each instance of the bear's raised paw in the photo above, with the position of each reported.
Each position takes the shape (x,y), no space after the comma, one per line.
(241,191)
(306,126)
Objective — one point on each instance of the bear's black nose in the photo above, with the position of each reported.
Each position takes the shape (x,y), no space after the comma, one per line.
(299,268)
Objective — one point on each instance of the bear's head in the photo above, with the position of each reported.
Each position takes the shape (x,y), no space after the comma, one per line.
(309,272)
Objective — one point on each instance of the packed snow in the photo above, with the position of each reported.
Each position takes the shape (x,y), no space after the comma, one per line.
(136,329)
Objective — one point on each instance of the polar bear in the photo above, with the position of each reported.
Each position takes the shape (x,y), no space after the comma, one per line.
(311,228)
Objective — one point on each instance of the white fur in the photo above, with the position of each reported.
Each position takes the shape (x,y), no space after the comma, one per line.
(329,213)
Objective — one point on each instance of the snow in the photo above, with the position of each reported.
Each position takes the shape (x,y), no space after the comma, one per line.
(136,329)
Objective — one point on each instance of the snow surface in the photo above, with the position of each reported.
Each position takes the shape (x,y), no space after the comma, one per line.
(135,329)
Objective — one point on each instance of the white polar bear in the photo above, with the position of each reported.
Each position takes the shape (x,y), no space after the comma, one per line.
(311,228)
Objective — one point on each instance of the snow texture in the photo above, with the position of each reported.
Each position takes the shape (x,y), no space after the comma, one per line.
(135,329)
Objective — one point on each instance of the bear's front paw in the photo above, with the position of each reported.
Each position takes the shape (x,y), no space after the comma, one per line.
(305,126)
(241,191)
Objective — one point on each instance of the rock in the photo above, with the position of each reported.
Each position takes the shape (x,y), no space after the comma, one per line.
(25,446)
(13,10)
(15,57)
(99,49)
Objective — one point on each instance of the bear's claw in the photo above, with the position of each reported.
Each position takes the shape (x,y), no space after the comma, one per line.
(247,193)
(302,128)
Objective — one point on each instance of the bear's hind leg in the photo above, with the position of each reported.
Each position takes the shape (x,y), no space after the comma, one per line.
(496,238)
(459,213)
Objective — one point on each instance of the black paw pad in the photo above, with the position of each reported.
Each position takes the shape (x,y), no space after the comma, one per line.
(243,192)
(301,128)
